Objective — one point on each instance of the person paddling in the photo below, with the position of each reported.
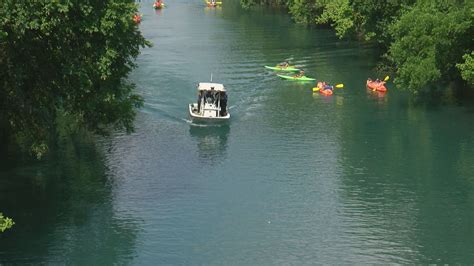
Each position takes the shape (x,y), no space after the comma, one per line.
(158,4)
(284,64)
(137,18)
(300,74)
(323,85)
(326,86)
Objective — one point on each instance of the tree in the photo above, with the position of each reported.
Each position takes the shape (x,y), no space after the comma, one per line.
(425,41)
(339,14)
(306,11)
(67,59)
(467,68)
(249,3)
(429,39)
(372,18)
(5,223)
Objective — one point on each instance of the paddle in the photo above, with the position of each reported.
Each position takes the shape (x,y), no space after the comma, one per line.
(339,86)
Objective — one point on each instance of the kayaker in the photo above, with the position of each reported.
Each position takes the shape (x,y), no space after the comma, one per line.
(300,74)
(158,3)
(326,86)
(323,85)
(137,18)
(379,82)
(284,64)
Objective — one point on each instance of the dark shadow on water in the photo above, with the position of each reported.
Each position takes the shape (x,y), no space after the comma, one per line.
(211,141)
(63,208)
(453,94)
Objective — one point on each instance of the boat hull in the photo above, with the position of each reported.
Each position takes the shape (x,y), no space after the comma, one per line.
(206,119)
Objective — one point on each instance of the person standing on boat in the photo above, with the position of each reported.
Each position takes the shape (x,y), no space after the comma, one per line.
(223,103)
(200,94)
(210,97)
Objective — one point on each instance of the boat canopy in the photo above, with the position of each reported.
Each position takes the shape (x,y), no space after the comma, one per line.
(207,86)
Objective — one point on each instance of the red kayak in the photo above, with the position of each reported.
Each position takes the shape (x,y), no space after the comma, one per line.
(137,18)
(323,88)
(327,92)
(376,85)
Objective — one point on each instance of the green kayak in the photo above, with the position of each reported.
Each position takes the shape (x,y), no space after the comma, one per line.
(303,78)
(289,68)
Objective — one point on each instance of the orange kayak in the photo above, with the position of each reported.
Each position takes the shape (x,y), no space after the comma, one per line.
(326,92)
(376,86)
(324,89)
(137,19)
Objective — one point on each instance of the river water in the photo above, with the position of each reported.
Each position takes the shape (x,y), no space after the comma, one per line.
(294,178)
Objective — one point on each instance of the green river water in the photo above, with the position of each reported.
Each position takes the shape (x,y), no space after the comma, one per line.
(294,178)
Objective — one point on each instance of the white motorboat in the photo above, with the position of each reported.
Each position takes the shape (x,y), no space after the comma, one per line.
(211,105)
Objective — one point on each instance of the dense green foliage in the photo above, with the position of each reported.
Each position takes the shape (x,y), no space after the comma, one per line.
(249,3)
(66,59)
(5,223)
(425,41)
(467,68)
(429,40)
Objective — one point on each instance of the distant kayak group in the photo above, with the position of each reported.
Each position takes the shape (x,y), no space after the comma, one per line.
(158,4)
(322,87)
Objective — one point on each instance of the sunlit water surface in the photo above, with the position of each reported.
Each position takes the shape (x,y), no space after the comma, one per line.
(295,177)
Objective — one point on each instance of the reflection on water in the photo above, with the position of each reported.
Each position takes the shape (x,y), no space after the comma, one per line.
(63,209)
(379,97)
(212,9)
(211,141)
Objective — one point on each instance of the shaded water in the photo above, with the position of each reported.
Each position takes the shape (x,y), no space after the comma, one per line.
(358,177)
